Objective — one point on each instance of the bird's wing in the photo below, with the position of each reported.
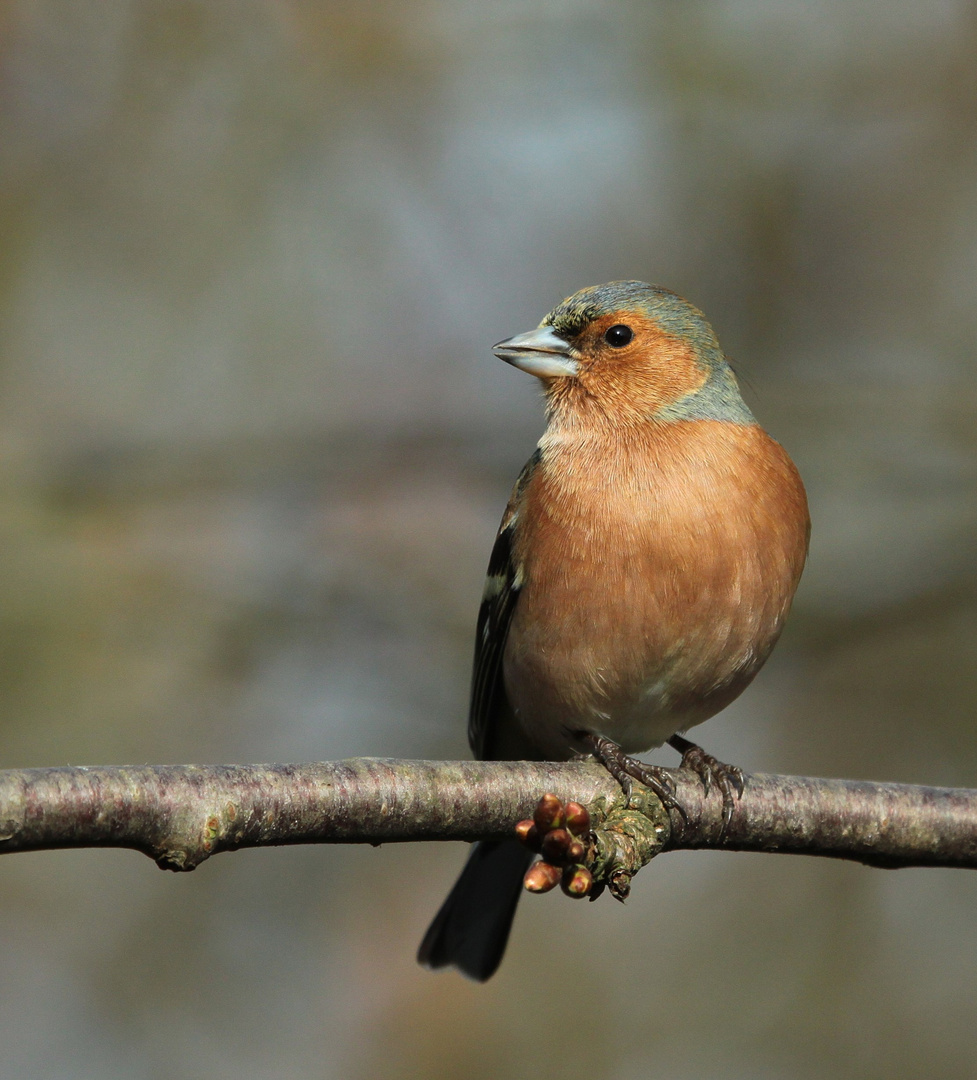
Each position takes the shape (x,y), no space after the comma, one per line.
(502,584)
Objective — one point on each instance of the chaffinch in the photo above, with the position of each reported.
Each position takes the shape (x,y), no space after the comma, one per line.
(642,573)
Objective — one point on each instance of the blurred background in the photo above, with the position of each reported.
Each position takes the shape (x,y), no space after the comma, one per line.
(254,447)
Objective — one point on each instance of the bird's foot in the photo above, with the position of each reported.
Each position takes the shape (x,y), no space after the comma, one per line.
(625,768)
(730,779)
(561,834)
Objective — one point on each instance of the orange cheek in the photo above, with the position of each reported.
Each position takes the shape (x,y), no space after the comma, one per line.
(654,373)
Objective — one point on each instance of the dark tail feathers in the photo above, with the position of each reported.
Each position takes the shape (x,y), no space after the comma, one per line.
(472,927)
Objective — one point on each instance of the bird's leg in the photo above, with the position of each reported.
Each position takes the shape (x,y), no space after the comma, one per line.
(730,779)
(624,768)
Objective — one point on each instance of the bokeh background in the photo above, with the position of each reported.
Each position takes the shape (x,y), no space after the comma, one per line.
(254,447)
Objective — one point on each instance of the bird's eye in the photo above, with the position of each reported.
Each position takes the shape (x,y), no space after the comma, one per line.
(618,336)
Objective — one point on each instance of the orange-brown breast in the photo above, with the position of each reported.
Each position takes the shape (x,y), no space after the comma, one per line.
(658,568)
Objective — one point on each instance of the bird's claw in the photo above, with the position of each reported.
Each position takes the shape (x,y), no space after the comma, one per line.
(730,779)
(624,768)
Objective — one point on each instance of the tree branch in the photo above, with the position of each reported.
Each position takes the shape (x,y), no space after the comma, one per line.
(180,815)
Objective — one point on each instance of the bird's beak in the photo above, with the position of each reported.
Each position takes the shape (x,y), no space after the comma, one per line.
(541,352)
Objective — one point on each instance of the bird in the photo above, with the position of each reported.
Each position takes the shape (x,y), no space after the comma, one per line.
(643,570)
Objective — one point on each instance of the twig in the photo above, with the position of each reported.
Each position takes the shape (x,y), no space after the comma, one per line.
(180,815)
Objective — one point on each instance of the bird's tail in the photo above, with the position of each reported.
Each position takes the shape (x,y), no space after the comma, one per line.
(472,927)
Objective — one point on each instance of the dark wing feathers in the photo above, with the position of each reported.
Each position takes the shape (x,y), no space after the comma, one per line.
(502,585)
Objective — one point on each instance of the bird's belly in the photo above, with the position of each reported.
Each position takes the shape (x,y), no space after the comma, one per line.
(625,683)
(649,602)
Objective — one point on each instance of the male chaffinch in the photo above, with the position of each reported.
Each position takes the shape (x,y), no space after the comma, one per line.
(642,573)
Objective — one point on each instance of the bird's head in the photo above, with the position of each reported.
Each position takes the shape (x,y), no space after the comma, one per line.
(627,352)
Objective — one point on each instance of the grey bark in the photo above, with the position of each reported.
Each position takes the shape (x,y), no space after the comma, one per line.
(180,815)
